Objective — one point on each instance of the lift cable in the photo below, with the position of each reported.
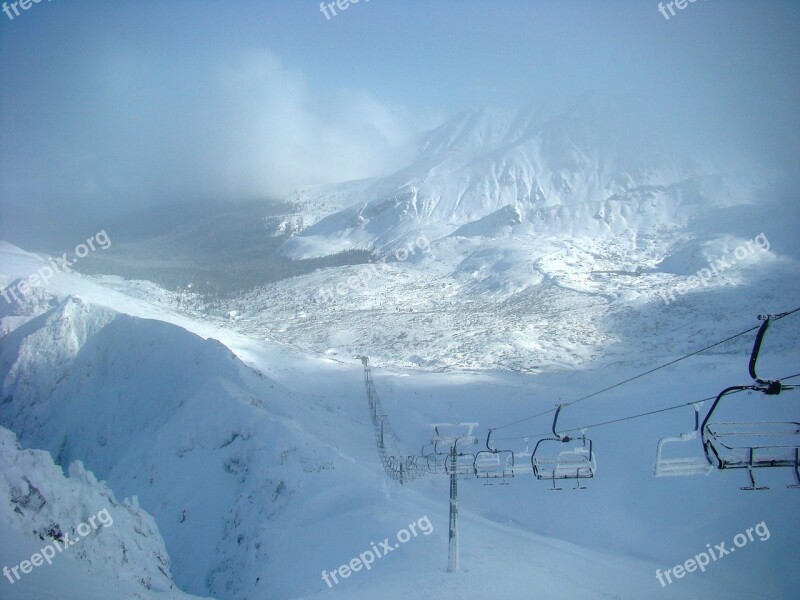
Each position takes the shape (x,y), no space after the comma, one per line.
(648,372)
(631,417)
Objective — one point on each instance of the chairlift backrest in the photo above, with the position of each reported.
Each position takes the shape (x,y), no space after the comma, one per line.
(696,464)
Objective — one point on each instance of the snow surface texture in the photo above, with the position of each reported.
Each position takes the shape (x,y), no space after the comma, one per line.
(261,475)
(123,556)
(552,242)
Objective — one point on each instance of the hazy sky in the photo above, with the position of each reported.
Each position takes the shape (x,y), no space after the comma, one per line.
(114,104)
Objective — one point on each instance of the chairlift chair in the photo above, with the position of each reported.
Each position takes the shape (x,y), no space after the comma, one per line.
(754,444)
(464,464)
(435,460)
(436,464)
(522,463)
(552,461)
(684,465)
(394,467)
(416,465)
(493,464)
(423,460)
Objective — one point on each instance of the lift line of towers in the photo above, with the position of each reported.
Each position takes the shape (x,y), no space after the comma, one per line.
(747,445)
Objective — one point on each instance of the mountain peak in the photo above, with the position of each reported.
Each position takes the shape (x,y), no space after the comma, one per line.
(472,130)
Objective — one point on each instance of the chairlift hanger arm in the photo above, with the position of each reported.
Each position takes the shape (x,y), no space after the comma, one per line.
(773,387)
(561,438)
(488,439)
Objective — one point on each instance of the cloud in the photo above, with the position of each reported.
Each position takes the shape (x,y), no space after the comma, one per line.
(137,127)
(277,134)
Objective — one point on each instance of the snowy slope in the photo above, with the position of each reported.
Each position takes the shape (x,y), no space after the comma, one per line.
(221,460)
(552,238)
(472,305)
(258,483)
(122,555)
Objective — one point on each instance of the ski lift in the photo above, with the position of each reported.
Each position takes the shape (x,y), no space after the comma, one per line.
(682,466)
(415,465)
(494,464)
(550,461)
(395,468)
(464,464)
(434,459)
(402,468)
(754,444)
(424,457)
(456,461)
(522,461)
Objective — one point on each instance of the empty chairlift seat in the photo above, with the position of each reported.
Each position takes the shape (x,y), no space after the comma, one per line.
(754,444)
(433,459)
(563,457)
(492,464)
(464,464)
(672,460)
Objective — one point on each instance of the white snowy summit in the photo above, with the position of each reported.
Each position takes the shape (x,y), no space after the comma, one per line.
(583,171)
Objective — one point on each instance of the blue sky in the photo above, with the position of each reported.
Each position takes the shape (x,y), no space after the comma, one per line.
(100,96)
(448,54)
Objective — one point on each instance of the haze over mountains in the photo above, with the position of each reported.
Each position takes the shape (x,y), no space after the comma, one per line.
(530,240)
(513,244)
(545,240)
(584,170)
(553,228)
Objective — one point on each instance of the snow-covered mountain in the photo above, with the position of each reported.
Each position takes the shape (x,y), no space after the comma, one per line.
(517,240)
(584,171)
(258,482)
(559,245)
(550,238)
(98,546)
(213,448)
